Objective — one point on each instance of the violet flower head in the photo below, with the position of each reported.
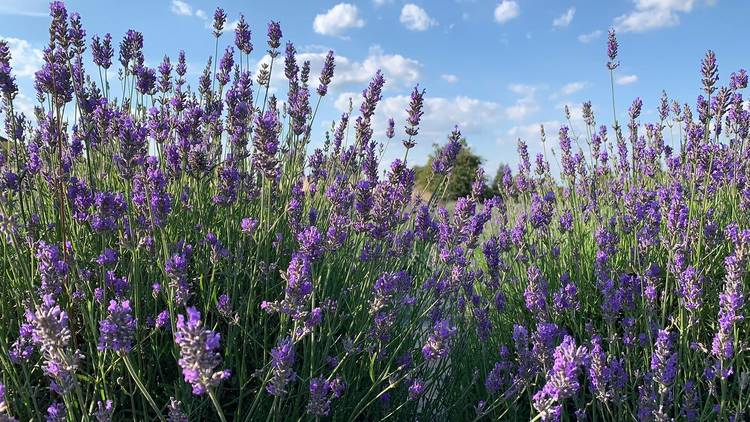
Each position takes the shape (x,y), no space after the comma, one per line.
(274,36)
(7,80)
(199,357)
(390,131)
(738,80)
(562,379)
(664,362)
(437,345)
(416,388)
(612,45)
(220,18)
(242,36)
(415,115)
(322,391)
(104,411)
(709,72)
(266,143)
(535,294)
(101,50)
(326,74)
(118,329)
(446,157)
(282,362)
(53,337)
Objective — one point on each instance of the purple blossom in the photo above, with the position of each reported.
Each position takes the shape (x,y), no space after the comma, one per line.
(118,329)
(199,357)
(282,362)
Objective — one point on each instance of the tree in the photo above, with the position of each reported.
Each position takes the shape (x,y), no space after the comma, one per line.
(459,179)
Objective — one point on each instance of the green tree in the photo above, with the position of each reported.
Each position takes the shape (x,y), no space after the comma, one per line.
(460,178)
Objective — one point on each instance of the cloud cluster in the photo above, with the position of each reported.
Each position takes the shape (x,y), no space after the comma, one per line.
(654,14)
(337,20)
(507,10)
(414,18)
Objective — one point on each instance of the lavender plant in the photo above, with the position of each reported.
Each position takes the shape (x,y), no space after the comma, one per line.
(186,254)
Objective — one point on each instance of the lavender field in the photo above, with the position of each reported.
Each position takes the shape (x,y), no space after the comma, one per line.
(181,250)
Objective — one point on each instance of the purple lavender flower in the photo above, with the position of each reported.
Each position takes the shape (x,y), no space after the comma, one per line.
(104,411)
(326,74)
(709,72)
(118,329)
(535,294)
(242,36)
(415,115)
(198,353)
(416,388)
(220,19)
(274,36)
(437,344)
(282,362)
(248,226)
(446,157)
(562,379)
(7,80)
(101,50)
(322,392)
(175,412)
(266,143)
(53,337)
(612,64)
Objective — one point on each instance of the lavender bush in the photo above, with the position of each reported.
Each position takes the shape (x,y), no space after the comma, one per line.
(178,252)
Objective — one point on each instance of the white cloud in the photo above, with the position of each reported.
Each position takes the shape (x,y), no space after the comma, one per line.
(654,14)
(381,2)
(399,71)
(25,59)
(507,10)
(414,18)
(565,19)
(572,88)
(526,104)
(181,8)
(626,79)
(33,8)
(532,132)
(337,20)
(201,14)
(450,78)
(591,36)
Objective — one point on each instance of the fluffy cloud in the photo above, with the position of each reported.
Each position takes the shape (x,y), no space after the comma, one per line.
(414,18)
(525,104)
(507,10)
(565,19)
(591,36)
(25,59)
(34,8)
(572,88)
(450,78)
(626,79)
(337,20)
(181,8)
(654,14)
(399,71)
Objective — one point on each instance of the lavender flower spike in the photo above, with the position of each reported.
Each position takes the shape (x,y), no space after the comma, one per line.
(198,355)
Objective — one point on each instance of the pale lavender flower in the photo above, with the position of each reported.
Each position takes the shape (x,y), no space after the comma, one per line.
(282,362)
(118,329)
(198,353)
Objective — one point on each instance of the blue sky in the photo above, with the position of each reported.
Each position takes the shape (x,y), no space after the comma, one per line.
(497,68)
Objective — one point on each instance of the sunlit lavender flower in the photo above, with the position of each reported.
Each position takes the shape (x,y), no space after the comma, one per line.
(446,157)
(248,225)
(53,336)
(282,361)
(415,115)
(266,143)
(7,81)
(709,72)
(326,74)
(437,344)
(612,64)
(198,353)
(220,18)
(535,294)
(562,379)
(664,362)
(118,329)
(242,36)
